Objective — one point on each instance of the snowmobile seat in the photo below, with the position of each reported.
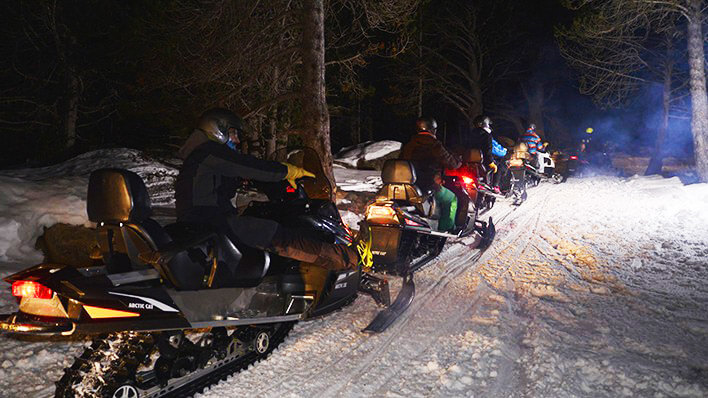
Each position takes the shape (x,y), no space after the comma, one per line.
(118,202)
(399,178)
(237,265)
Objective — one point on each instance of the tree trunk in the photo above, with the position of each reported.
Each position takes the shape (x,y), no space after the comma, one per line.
(71,110)
(315,117)
(657,158)
(535,103)
(699,101)
(420,62)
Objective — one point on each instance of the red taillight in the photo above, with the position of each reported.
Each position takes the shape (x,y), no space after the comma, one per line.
(573,158)
(31,289)
(289,189)
(468,180)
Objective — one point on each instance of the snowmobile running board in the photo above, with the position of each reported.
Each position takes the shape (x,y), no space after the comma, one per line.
(387,317)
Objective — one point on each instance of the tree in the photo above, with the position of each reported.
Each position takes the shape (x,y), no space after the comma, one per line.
(269,62)
(467,58)
(610,46)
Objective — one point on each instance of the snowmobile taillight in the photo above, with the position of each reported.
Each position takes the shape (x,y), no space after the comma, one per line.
(468,180)
(30,289)
(289,189)
(573,158)
(100,312)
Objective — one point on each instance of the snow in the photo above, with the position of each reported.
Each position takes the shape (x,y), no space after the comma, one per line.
(36,198)
(370,150)
(592,288)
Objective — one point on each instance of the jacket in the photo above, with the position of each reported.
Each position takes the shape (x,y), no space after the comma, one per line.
(498,150)
(532,140)
(429,157)
(480,139)
(211,174)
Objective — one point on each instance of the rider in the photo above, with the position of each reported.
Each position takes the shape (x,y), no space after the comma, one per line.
(533,142)
(429,157)
(209,177)
(481,138)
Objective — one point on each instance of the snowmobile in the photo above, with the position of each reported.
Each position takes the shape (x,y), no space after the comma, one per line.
(474,179)
(517,172)
(403,223)
(543,169)
(177,308)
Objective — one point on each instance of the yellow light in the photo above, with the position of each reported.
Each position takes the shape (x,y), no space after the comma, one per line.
(100,312)
(589,130)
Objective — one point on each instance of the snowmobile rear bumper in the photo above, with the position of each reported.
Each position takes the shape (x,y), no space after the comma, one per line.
(19,323)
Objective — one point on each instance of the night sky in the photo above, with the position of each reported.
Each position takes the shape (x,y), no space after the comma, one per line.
(110,46)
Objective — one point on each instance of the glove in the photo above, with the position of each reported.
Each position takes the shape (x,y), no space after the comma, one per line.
(294,173)
(493,167)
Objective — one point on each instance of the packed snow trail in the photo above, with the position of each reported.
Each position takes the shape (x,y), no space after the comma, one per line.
(595,287)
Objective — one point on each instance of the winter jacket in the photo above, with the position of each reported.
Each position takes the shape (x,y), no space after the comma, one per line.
(429,157)
(481,139)
(210,176)
(498,150)
(532,140)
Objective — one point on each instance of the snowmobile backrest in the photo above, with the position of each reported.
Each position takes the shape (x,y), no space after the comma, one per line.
(521,151)
(117,195)
(397,171)
(405,192)
(473,155)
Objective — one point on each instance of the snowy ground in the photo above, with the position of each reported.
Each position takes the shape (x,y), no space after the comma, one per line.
(596,287)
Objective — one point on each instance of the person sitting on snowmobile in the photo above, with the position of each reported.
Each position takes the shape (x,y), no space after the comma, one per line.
(498,152)
(429,156)
(532,141)
(208,180)
(481,138)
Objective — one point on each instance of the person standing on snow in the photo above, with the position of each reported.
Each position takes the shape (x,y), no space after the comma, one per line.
(209,177)
(429,157)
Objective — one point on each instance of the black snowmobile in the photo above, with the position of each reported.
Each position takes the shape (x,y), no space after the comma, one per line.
(403,223)
(181,307)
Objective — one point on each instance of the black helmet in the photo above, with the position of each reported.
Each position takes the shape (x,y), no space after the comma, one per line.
(482,121)
(532,126)
(216,122)
(427,124)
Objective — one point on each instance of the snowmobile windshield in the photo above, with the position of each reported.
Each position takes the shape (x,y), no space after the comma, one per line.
(316,188)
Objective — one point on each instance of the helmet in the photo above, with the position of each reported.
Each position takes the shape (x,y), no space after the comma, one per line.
(532,126)
(216,122)
(482,121)
(427,124)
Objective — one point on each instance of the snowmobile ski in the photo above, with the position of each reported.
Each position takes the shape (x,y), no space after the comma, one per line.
(388,316)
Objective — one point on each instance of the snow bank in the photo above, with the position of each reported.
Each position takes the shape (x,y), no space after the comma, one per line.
(36,198)
(368,155)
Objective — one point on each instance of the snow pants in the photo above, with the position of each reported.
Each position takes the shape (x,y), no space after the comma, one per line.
(270,236)
(447,201)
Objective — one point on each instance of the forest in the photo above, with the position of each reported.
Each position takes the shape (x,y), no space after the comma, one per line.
(80,75)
